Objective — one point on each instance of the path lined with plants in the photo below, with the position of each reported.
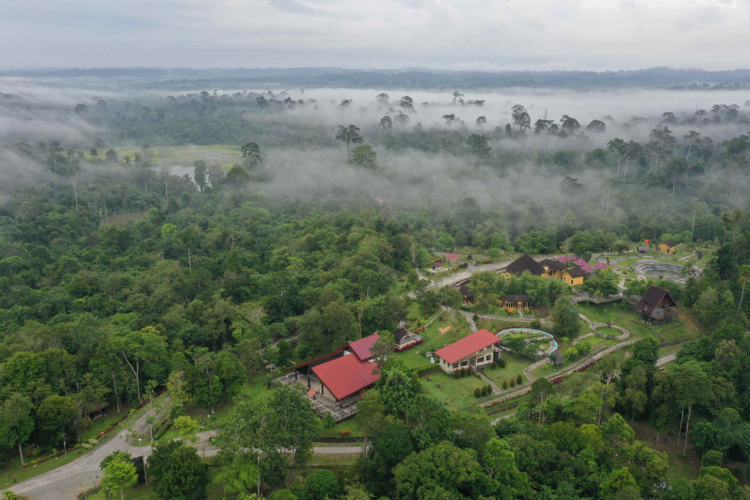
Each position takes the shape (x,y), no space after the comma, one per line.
(527,371)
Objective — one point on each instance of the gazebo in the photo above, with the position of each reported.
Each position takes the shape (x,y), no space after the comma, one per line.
(586,268)
(601,265)
(563,258)
(580,262)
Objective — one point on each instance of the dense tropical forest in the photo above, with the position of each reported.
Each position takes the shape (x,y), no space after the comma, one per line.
(174,251)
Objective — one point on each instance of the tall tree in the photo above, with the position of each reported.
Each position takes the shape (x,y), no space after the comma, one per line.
(16,422)
(349,135)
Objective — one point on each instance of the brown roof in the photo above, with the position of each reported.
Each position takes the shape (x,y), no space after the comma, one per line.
(525,263)
(653,297)
(516,298)
(466,291)
(554,265)
(669,243)
(576,272)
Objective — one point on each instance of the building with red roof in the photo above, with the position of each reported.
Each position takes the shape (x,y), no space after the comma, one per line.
(452,257)
(475,350)
(346,376)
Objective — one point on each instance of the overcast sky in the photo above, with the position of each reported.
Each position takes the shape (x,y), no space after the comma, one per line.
(440,34)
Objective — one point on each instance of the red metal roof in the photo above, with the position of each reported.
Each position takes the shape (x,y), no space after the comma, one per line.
(468,345)
(362,347)
(346,375)
(563,258)
(452,256)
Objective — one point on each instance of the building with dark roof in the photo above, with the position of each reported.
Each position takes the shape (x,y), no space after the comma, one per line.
(515,301)
(666,246)
(525,263)
(473,351)
(467,294)
(553,268)
(657,305)
(573,276)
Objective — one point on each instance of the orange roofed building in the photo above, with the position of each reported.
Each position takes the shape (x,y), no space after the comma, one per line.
(473,351)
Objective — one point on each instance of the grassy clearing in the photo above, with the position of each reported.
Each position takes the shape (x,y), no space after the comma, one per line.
(434,339)
(354,425)
(513,368)
(455,393)
(185,155)
(602,313)
(13,470)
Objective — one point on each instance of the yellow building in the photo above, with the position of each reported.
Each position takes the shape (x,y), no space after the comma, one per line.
(553,268)
(666,247)
(515,302)
(573,277)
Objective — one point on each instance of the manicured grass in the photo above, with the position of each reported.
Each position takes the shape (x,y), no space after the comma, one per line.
(455,393)
(609,331)
(352,424)
(513,367)
(602,313)
(14,470)
(110,417)
(213,422)
(433,340)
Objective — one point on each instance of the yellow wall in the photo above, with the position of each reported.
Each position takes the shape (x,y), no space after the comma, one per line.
(663,248)
(571,280)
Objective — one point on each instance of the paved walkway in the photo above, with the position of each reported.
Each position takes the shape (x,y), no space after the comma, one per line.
(495,388)
(528,369)
(666,359)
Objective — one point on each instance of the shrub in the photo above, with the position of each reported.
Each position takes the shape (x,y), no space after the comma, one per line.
(86,446)
(487,390)
(477,393)
(571,353)
(501,362)
(329,421)
(505,384)
(457,373)
(536,324)
(519,379)
(93,441)
(512,384)
(346,432)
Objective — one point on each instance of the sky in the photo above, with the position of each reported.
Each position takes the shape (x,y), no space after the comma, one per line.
(487,35)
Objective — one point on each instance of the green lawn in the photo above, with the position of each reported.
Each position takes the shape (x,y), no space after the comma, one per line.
(513,367)
(110,417)
(433,340)
(13,468)
(352,424)
(602,313)
(455,393)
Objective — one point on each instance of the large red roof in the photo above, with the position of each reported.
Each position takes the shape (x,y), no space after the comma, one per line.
(362,347)
(346,375)
(466,346)
(452,256)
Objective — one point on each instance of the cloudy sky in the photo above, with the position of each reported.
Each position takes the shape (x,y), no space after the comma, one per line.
(440,34)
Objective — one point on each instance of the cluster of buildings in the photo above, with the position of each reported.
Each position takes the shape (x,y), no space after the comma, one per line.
(568,268)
